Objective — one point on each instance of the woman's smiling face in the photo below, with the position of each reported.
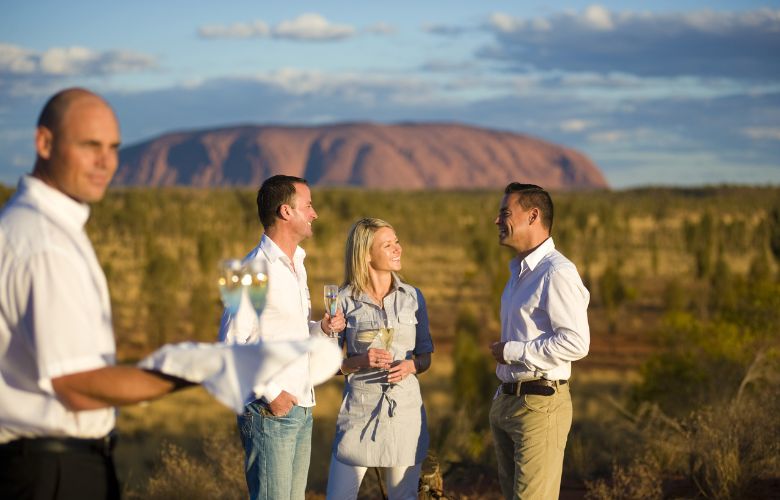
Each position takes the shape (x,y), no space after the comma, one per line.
(385,253)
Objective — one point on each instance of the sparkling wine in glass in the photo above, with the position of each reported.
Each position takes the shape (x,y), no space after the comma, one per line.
(331,300)
(255,281)
(385,336)
(231,288)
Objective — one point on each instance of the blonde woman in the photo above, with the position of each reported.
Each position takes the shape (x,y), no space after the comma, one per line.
(382,420)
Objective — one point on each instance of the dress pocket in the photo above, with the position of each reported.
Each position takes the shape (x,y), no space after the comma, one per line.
(407,319)
(361,334)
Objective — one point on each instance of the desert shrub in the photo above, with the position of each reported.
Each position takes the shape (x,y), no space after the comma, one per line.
(474,379)
(702,362)
(639,480)
(217,473)
(465,435)
(613,292)
(161,279)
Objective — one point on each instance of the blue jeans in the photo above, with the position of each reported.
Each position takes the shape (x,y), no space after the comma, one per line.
(277,450)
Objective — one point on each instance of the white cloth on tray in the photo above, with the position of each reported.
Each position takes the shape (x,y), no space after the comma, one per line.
(235,374)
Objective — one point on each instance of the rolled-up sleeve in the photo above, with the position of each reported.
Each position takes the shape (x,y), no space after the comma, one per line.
(423,341)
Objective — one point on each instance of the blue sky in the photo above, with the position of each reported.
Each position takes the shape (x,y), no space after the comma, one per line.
(677,92)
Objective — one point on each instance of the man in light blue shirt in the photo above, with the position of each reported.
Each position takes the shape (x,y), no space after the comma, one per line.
(544,327)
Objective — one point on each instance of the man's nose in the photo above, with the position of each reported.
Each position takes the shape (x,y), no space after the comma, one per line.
(106,158)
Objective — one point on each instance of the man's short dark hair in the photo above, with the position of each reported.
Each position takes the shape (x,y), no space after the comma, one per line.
(276,191)
(533,196)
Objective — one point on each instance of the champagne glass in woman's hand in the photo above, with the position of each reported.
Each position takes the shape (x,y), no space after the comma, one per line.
(331,300)
(385,336)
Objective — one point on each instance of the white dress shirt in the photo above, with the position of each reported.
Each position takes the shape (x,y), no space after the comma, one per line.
(544,318)
(285,317)
(55,314)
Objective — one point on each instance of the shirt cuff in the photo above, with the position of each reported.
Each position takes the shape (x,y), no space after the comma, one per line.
(315,329)
(514,352)
(272,391)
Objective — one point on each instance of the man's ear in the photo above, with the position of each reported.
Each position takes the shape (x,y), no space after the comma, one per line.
(44,140)
(533,216)
(284,212)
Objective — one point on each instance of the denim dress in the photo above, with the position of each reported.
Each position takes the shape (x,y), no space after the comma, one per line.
(381,424)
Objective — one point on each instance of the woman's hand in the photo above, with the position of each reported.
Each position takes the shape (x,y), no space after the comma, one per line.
(378,358)
(400,370)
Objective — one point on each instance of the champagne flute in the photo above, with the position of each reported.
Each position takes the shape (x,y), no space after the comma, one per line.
(230,287)
(255,282)
(385,336)
(331,300)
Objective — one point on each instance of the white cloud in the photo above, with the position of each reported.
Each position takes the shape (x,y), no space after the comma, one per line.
(256,29)
(607,137)
(66,61)
(762,133)
(312,26)
(70,61)
(504,22)
(361,90)
(306,27)
(598,18)
(742,44)
(381,28)
(575,125)
(16,60)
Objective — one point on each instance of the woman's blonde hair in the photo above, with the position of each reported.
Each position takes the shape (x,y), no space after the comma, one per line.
(359,242)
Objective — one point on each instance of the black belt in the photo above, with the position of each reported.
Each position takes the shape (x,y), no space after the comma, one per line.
(27,446)
(540,387)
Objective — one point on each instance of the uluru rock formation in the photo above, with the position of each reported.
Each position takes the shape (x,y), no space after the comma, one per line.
(399,156)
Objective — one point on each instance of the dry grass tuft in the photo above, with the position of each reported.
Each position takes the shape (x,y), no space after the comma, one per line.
(640,480)
(215,474)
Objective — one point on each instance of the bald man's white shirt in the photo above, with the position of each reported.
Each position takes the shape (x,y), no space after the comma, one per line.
(55,314)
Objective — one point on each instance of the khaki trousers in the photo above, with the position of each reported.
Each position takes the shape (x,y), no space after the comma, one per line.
(529,433)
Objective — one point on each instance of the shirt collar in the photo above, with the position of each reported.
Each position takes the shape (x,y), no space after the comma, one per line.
(54,203)
(534,258)
(397,285)
(273,252)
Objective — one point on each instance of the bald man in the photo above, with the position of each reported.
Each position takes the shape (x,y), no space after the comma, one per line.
(58,382)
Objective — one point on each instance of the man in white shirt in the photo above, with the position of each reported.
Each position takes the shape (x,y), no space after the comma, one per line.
(544,327)
(58,382)
(276,429)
